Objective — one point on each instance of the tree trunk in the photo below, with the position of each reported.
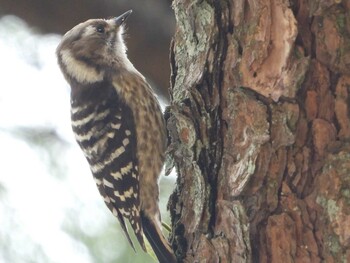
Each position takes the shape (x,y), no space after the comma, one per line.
(259,131)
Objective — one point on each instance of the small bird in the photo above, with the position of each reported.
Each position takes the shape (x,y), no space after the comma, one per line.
(119,125)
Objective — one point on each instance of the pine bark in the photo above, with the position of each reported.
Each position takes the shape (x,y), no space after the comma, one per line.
(259,130)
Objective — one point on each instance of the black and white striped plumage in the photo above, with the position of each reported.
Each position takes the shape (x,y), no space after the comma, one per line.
(118,124)
(105,131)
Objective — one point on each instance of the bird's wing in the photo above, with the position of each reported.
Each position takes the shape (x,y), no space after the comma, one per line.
(108,140)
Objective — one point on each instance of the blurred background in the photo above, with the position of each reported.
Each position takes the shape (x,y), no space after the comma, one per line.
(50,209)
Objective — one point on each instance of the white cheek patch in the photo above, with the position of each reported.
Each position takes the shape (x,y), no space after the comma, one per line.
(79,70)
(120,47)
(88,31)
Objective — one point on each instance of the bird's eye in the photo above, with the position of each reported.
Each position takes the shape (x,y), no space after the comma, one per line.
(100,29)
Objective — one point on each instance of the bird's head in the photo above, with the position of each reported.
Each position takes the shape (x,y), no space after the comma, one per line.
(93,47)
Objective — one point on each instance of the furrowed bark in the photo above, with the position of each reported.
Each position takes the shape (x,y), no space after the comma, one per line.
(259,131)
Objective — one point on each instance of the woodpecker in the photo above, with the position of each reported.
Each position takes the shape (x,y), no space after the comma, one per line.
(119,125)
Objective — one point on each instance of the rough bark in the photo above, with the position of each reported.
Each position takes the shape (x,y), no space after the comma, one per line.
(259,129)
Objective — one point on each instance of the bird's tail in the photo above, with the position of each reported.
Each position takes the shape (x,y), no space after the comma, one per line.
(158,242)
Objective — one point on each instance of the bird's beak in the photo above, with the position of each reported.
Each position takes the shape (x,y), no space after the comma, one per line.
(122,18)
